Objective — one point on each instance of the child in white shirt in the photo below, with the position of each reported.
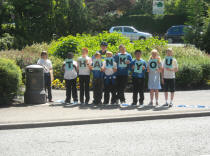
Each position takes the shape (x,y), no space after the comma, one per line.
(84,66)
(70,76)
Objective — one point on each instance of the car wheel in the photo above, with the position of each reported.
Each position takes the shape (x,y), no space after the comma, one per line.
(142,38)
(170,40)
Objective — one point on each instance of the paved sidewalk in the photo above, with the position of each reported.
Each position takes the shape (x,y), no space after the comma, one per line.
(189,103)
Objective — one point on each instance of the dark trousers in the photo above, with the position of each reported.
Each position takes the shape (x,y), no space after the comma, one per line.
(47,82)
(98,85)
(71,89)
(84,81)
(122,81)
(110,87)
(138,88)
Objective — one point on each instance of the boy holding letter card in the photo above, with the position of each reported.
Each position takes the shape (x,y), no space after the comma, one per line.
(123,60)
(170,67)
(109,68)
(154,68)
(70,77)
(138,67)
(98,79)
(83,66)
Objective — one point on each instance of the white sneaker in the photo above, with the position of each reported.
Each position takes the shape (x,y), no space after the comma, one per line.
(75,103)
(171,104)
(166,104)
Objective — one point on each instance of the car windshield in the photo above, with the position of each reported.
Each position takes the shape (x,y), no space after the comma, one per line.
(176,30)
(127,29)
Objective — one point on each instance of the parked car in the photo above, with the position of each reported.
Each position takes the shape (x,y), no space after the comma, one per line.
(130,32)
(176,33)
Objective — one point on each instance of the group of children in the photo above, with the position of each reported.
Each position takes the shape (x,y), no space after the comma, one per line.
(110,75)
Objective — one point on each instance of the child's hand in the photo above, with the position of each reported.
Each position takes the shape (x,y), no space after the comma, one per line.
(127,62)
(169,69)
(115,69)
(103,69)
(143,68)
(159,70)
(133,67)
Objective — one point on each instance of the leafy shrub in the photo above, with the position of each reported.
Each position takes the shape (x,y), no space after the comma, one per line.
(189,75)
(6,41)
(74,44)
(64,45)
(10,80)
(57,67)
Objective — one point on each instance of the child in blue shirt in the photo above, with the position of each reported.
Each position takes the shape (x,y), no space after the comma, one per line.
(138,67)
(98,79)
(109,69)
(123,60)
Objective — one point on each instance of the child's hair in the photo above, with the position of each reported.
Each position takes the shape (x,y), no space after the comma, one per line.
(109,52)
(158,56)
(121,46)
(104,43)
(169,49)
(85,49)
(137,51)
(44,53)
(97,54)
(70,54)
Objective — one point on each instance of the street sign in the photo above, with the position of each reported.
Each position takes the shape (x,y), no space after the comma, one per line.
(158,7)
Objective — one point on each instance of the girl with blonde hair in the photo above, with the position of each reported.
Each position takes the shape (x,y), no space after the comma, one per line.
(154,69)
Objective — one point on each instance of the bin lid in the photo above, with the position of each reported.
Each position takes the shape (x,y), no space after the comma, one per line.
(34,66)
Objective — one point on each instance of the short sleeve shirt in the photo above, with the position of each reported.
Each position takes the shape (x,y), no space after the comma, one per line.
(46,64)
(169,74)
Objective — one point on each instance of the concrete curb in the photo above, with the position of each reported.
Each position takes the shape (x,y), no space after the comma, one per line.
(27,125)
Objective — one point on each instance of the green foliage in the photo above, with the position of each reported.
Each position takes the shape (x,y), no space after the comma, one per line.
(74,44)
(10,80)
(27,56)
(6,41)
(189,75)
(57,67)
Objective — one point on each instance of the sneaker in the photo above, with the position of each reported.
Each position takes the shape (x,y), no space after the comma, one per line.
(166,104)
(171,104)
(123,104)
(141,102)
(82,103)
(117,102)
(133,104)
(67,101)
(51,101)
(150,103)
(75,102)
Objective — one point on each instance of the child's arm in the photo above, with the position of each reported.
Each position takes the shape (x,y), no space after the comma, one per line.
(63,67)
(103,68)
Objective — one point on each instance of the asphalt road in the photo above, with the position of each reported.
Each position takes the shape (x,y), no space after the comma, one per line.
(178,137)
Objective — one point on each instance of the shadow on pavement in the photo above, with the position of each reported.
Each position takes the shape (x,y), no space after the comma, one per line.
(145,108)
(161,108)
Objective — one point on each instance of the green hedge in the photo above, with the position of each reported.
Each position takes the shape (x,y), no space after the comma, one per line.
(10,80)
(74,44)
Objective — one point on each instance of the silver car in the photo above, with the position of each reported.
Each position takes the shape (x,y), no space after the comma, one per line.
(130,32)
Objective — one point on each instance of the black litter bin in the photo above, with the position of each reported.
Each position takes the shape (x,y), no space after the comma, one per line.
(35,92)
